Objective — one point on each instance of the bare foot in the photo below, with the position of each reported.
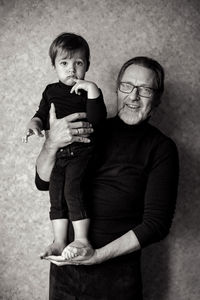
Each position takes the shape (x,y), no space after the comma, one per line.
(55,248)
(76,248)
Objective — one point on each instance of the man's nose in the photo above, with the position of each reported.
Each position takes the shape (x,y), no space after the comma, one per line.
(134,95)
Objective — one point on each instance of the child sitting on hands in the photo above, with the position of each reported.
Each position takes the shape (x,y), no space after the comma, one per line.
(70,57)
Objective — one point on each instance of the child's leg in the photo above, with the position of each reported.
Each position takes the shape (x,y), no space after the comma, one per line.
(60,238)
(58,210)
(81,228)
(74,190)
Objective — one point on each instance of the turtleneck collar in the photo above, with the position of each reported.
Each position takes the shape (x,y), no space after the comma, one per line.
(64,86)
(122,125)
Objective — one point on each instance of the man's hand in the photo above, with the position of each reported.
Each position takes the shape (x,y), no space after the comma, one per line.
(67,130)
(88,257)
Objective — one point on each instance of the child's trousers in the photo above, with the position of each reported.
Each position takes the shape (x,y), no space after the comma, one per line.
(68,181)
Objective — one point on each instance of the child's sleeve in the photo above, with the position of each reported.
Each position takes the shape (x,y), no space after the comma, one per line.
(41,184)
(96,110)
(43,111)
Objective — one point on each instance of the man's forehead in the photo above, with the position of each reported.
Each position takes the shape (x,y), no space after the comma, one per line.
(140,74)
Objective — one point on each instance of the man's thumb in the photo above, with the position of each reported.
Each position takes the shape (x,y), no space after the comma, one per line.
(52,113)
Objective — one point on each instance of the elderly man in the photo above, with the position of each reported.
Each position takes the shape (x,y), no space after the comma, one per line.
(132,192)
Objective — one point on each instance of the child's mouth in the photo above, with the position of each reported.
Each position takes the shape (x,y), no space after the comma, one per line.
(71,77)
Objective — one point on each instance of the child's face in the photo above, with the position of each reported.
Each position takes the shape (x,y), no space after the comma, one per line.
(70,67)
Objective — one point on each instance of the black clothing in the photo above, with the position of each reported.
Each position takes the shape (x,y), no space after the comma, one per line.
(67,103)
(106,281)
(67,178)
(68,181)
(133,187)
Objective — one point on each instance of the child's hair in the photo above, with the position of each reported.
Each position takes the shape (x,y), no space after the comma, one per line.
(69,42)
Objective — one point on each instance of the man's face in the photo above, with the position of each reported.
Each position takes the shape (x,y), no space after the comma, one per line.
(133,108)
(72,67)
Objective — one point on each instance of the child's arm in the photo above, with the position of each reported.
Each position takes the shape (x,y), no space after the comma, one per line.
(33,127)
(95,107)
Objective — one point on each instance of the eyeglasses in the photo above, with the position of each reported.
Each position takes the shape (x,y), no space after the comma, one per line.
(143,91)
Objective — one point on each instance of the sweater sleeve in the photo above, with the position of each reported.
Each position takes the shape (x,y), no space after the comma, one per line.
(43,111)
(41,184)
(96,110)
(160,196)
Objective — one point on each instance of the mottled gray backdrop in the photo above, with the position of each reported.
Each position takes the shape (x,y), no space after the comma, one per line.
(116,31)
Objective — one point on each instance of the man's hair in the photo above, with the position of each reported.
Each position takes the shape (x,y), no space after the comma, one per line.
(148,63)
(70,43)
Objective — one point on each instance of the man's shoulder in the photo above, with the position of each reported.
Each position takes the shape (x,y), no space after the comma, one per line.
(159,137)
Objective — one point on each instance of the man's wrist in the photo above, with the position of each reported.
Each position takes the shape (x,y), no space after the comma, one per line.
(50,147)
(102,255)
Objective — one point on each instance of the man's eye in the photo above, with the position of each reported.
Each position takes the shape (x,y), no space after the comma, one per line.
(126,85)
(146,90)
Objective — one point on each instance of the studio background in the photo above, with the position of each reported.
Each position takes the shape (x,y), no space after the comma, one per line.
(116,31)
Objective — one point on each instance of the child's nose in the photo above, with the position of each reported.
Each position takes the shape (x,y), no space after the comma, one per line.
(72,67)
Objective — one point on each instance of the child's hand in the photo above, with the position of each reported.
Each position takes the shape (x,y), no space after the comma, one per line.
(31,132)
(32,128)
(90,87)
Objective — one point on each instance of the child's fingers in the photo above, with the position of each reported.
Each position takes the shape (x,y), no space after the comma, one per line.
(25,139)
(76,88)
(26,136)
(31,132)
(40,134)
(73,89)
(37,132)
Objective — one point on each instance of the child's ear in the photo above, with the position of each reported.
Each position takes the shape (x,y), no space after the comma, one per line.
(88,65)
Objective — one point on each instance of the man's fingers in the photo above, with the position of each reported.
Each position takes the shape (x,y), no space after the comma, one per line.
(52,113)
(81,139)
(60,261)
(43,255)
(80,124)
(75,116)
(56,258)
(81,131)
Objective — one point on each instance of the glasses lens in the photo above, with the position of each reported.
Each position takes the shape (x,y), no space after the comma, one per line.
(145,92)
(142,91)
(125,87)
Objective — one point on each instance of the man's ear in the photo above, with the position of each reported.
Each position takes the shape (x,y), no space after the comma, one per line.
(157,100)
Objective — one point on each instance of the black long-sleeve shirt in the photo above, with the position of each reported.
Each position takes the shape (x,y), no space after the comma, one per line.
(67,103)
(134,184)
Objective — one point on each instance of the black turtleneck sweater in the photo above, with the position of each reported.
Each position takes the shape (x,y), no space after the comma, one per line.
(134,183)
(67,103)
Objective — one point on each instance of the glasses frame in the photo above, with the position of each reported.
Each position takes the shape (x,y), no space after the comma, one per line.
(137,87)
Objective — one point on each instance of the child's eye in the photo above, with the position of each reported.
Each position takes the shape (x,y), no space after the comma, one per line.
(79,63)
(63,63)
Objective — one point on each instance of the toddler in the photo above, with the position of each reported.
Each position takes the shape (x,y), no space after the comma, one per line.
(70,57)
